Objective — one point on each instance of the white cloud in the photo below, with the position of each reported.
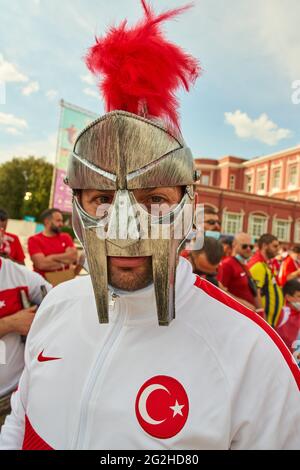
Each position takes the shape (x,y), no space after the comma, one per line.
(13,131)
(89,79)
(32,87)
(261,129)
(51,94)
(39,148)
(12,121)
(10,73)
(90,92)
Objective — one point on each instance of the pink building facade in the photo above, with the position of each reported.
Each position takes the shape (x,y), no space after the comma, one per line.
(257,196)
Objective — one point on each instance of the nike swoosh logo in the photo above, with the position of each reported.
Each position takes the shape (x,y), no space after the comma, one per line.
(42,358)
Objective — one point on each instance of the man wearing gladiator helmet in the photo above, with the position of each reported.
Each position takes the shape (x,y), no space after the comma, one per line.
(143,354)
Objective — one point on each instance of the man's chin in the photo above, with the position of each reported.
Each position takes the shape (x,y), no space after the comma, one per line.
(130,278)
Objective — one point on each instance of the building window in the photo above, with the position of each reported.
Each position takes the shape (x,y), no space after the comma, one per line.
(276,178)
(297,232)
(257,225)
(261,181)
(293,173)
(282,230)
(248,184)
(232,182)
(205,180)
(232,223)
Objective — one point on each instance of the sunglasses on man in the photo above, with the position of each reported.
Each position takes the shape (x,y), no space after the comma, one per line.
(213,222)
(246,245)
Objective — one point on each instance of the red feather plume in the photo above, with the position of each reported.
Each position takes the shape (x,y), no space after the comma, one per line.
(140,70)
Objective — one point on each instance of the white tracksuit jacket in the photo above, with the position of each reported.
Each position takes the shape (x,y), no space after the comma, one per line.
(217,378)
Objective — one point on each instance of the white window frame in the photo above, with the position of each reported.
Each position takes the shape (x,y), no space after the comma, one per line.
(263,219)
(205,176)
(258,188)
(297,231)
(276,188)
(250,182)
(290,167)
(226,221)
(287,222)
(232,182)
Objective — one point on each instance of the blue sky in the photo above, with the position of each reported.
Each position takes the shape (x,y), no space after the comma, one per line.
(242,105)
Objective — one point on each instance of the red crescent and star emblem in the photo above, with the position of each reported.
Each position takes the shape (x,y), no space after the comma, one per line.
(162,407)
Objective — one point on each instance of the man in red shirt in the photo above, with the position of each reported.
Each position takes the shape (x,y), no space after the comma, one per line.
(10,245)
(51,250)
(235,277)
(289,320)
(290,268)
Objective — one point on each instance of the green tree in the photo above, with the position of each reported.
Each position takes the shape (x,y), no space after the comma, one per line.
(25,185)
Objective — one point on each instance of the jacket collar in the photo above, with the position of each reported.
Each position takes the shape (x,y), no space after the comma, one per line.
(140,306)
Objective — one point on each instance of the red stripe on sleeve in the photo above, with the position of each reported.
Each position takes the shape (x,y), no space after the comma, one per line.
(226,299)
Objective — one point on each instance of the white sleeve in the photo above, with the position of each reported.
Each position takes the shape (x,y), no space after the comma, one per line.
(12,431)
(34,282)
(266,409)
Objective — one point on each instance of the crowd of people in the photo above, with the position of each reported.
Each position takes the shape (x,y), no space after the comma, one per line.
(260,274)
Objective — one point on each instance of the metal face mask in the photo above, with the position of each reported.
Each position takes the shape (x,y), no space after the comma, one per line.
(123,152)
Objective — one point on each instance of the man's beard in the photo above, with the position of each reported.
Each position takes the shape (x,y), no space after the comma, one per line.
(270,254)
(130,279)
(55,229)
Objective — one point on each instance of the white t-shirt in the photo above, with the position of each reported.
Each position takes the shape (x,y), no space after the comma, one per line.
(218,377)
(14,279)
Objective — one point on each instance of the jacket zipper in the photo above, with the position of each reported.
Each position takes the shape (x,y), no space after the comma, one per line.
(95,373)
